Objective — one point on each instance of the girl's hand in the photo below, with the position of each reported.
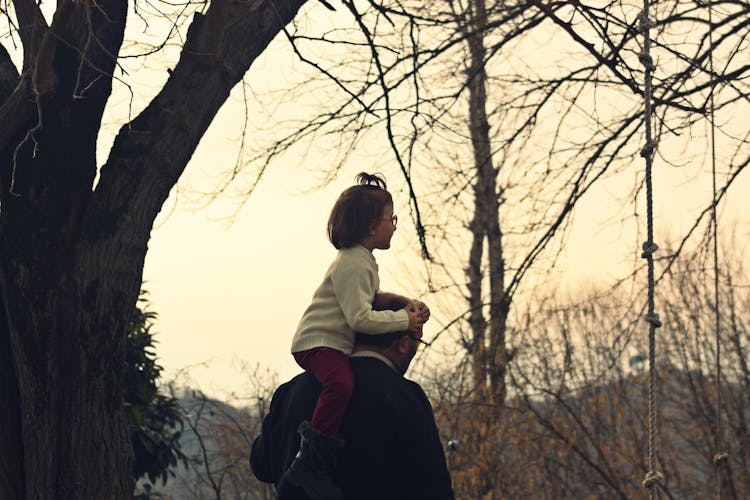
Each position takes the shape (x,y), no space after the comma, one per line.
(415,320)
(422,310)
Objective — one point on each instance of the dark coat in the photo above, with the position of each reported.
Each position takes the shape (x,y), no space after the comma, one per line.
(393,449)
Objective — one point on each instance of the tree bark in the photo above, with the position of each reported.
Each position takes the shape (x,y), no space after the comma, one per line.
(488,341)
(11,460)
(488,335)
(71,257)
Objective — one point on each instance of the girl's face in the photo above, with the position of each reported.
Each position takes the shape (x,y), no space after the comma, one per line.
(383,229)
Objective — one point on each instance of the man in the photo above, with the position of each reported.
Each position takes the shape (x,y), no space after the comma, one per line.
(393,449)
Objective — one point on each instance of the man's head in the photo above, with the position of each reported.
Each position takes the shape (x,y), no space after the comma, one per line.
(399,347)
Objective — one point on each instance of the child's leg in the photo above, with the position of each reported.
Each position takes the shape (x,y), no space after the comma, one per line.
(333,371)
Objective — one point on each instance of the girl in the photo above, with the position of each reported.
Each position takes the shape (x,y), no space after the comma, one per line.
(361,220)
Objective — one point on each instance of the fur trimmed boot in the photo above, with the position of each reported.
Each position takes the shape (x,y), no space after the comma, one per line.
(312,467)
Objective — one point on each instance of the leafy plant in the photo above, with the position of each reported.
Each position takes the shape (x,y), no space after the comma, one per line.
(156,420)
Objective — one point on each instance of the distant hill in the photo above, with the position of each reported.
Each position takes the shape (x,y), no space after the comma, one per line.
(216,439)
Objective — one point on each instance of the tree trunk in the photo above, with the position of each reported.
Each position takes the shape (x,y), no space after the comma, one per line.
(64,321)
(11,448)
(11,460)
(71,257)
(488,336)
(488,341)
(66,317)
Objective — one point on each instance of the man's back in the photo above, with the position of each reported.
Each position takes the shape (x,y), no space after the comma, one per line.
(393,448)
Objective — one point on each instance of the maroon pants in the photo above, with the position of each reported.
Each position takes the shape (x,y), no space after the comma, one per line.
(333,371)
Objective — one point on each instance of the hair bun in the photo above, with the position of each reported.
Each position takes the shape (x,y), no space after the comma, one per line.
(374,180)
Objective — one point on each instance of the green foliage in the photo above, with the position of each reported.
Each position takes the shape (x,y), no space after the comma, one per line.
(155,420)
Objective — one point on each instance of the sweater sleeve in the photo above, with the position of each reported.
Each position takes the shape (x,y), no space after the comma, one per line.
(354,284)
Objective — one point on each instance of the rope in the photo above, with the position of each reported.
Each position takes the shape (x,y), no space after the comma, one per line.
(720,457)
(649,247)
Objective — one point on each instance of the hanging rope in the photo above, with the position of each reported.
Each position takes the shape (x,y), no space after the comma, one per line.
(720,457)
(649,247)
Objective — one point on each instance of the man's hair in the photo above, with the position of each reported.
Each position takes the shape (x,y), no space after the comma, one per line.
(385,340)
(357,209)
(382,341)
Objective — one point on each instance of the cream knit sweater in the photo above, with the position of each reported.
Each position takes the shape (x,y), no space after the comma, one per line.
(342,305)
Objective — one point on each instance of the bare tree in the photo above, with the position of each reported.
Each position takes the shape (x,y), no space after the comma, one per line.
(575,419)
(503,116)
(223,436)
(73,236)
(556,128)
(218,437)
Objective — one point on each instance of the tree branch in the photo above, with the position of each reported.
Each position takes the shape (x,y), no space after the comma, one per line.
(16,112)
(79,31)
(8,75)
(12,107)
(151,152)
(31,28)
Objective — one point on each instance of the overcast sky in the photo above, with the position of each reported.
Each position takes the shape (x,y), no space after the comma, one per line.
(232,294)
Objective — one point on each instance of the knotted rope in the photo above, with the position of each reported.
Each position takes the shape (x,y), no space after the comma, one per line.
(720,457)
(649,247)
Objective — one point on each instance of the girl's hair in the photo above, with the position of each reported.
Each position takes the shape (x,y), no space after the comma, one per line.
(357,209)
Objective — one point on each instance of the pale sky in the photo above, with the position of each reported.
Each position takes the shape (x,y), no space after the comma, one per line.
(229,295)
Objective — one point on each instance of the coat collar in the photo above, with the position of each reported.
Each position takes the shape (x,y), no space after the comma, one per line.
(376,355)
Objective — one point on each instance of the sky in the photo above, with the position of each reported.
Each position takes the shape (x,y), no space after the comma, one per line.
(229,294)
(232,294)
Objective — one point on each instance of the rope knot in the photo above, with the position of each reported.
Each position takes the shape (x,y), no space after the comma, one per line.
(647,61)
(720,458)
(648,149)
(652,478)
(644,22)
(653,319)
(649,248)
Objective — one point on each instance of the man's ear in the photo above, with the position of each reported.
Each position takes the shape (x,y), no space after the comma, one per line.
(403,344)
